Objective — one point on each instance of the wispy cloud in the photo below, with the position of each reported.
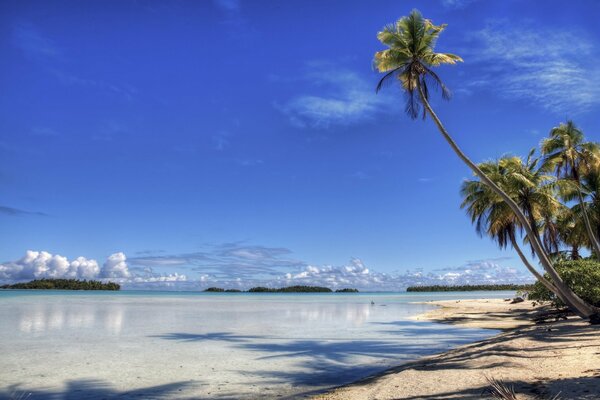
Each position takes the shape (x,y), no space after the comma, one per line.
(220,140)
(237,265)
(456,3)
(553,69)
(339,97)
(15,212)
(125,91)
(229,262)
(43,50)
(228,5)
(33,43)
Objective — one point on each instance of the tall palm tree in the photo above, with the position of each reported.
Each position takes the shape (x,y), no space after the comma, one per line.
(492,216)
(409,59)
(570,156)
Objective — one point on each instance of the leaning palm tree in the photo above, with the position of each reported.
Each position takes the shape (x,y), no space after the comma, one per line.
(492,216)
(570,156)
(409,59)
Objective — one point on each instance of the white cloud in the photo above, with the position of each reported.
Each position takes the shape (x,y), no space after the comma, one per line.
(41,264)
(116,267)
(553,69)
(242,267)
(456,3)
(347,99)
(357,275)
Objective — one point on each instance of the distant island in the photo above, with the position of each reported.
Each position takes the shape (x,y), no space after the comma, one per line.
(289,289)
(467,288)
(218,290)
(64,284)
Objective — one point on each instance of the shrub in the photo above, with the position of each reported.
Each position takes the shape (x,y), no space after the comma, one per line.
(583,276)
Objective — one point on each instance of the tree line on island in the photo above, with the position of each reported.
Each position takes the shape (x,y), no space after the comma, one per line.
(64,284)
(469,288)
(549,203)
(288,289)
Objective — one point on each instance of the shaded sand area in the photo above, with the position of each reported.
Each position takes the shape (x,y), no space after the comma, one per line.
(82,345)
(541,361)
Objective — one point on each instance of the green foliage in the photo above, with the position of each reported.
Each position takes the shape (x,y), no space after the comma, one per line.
(467,288)
(214,289)
(64,284)
(221,290)
(291,289)
(410,57)
(347,290)
(583,276)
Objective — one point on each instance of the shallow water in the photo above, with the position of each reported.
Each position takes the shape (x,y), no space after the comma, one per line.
(72,345)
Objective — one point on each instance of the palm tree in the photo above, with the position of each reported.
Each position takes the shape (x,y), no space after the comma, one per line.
(568,229)
(409,59)
(570,156)
(533,190)
(585,212)
(492,216)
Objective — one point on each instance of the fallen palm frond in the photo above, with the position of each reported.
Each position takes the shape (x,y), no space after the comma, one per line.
(500,390)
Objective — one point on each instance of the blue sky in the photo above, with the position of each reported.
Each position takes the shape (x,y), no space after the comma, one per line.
(241,142)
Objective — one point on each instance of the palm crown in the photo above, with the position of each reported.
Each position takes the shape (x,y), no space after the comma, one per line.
(410,58)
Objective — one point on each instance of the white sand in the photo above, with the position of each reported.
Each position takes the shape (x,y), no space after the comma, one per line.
(540,361)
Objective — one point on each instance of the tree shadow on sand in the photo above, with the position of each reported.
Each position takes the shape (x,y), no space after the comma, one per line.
(92,389)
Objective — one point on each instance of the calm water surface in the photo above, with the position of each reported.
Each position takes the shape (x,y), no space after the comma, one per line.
(135,344)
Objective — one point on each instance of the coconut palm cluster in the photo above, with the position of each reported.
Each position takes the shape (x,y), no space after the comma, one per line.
(548,203)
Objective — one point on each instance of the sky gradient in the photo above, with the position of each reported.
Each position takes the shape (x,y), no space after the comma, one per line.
(241,142)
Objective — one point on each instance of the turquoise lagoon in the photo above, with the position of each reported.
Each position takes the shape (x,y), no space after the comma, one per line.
(149,344)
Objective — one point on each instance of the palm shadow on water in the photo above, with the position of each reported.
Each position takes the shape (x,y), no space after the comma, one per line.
(92,389)
(213,336)
(328,362)
(319,364)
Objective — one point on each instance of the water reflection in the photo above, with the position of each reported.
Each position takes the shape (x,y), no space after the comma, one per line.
(39,318)
(353,314)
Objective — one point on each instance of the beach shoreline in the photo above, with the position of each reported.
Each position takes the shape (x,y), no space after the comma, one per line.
(539,360)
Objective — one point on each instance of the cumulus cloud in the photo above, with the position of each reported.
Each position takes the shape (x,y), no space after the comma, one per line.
(243,266)
(42,264)
(116,267)
(340,97)
(553,69)
(356,274)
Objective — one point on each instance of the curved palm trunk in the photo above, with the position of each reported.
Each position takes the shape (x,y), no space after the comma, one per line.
(574,302)
(575,252)
(588,225)
(531,269)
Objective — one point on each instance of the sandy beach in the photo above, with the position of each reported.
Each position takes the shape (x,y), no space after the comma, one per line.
(541,361)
